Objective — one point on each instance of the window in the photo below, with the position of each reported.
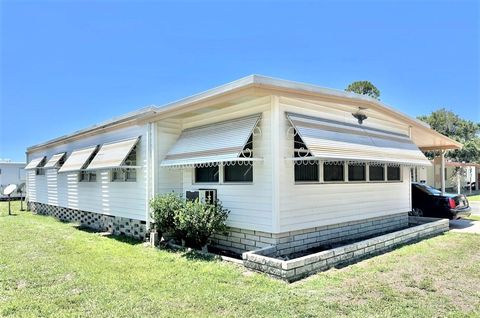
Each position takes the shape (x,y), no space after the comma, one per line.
(39,171)
(241,171)
(305,171)
(86,176)
(393,173)
(206,174)
(117,175)
(376,173)
(333,172)
(126,174)
(238,173)
(356,172)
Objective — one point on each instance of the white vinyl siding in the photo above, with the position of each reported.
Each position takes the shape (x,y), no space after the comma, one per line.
(250,203)
(309,205)
(124,199)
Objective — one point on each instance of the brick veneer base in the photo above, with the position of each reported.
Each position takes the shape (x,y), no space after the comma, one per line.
(242,240)
(263,260)
(108,223)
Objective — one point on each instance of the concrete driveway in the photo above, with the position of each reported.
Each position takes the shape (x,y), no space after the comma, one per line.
(475,205)
(465,226)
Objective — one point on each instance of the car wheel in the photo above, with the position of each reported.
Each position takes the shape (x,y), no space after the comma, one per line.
(417,212)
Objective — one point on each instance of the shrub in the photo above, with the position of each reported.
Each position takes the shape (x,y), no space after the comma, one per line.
(191,221)
(164,207)
(198,221)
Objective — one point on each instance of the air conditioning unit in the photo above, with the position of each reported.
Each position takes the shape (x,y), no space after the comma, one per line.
(208,196)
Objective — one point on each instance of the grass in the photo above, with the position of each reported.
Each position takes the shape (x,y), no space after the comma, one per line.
(474,217)
(474,198)
(53,269)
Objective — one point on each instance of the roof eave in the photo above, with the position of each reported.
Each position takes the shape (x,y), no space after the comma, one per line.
(130,117)
(252,81)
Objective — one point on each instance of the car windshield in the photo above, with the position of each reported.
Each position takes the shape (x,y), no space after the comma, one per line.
(428,189)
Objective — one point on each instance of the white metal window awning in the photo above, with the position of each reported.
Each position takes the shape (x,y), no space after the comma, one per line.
(334,140)
(34,163)
(113,155)
(54,161)
(77,160)
(213,144)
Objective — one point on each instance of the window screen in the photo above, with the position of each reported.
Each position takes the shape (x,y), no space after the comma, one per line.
(238,173)
(376,173)
(86,176)
(304,171)
(206,174)
(241,172)
(333,172)
(356,172)
(393,173)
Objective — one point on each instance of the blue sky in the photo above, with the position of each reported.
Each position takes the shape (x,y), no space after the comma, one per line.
(66,65)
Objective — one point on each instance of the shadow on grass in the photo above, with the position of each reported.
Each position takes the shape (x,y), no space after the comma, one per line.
(188,253)
(120,238)
(6,214)
(199,256)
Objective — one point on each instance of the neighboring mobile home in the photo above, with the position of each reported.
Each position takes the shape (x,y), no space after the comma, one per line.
(11,173)
(292,162)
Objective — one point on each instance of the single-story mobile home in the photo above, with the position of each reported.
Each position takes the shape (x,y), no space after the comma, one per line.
(291,161)
(12,173)
(457,175)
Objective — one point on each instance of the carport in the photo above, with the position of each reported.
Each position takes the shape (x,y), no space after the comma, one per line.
(429,140)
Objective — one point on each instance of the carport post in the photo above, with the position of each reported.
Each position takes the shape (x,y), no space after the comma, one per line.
(442,170)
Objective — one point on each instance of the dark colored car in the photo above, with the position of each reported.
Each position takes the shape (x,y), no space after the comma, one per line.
(428,201)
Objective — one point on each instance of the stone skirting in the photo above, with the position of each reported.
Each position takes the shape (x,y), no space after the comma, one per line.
(108,223)
(242,240)
(263,260)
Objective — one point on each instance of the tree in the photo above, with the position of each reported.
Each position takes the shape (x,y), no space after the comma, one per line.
(364,88)
(465,131)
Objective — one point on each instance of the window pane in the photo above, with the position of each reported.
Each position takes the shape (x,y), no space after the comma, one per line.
(333,172)
(206,174)
(131,174)
(118,175)
(306,171)
(376,173)
(238,173)
(393,173)
(93,176)
(356,172)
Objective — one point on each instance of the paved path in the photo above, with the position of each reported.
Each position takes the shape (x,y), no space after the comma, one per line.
(475,205)
(465,226)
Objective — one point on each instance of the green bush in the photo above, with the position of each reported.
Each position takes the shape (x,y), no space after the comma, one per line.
(164,207)
(199,221)
(192,221)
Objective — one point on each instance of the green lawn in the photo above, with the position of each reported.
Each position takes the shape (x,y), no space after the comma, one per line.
(474,217)
(53,269)
(474,198)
